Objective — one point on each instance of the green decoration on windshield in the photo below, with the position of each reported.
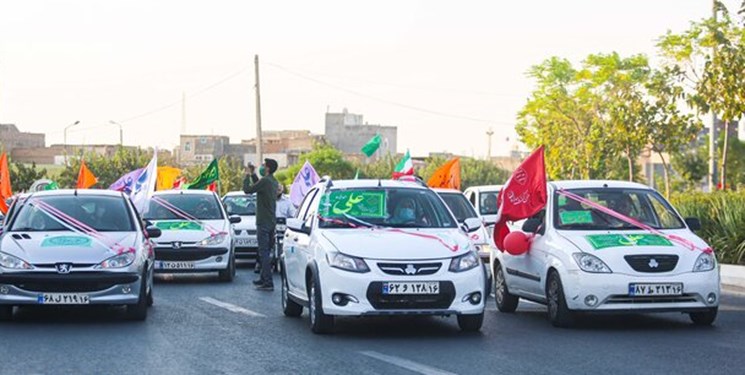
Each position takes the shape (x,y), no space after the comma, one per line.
(356,203)
(65,241)
(575,217)
(602,241)
(178,225)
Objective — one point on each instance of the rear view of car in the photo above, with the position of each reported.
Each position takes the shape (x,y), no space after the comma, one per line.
(81,247)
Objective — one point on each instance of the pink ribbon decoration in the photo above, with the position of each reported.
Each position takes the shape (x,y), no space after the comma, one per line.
(671,237)
(186,216)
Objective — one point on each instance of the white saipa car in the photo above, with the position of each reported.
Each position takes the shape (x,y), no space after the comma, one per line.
(196,233)
(379,247)
(585,261)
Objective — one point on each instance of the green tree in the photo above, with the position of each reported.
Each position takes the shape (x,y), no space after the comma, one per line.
(23,176)
(326,160)
(106,169)
(691,164)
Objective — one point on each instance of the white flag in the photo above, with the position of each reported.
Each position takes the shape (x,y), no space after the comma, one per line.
(305,179)
(145,185)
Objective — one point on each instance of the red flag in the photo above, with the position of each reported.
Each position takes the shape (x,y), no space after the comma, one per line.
(522,196)
(212,186)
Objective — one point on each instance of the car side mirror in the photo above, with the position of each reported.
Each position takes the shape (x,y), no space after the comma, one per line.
(234,219)
(693,223)
(532,225)
(153,232)
(472,224)
(297,225)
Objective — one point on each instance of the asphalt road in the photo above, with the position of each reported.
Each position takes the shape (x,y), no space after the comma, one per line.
(201,326)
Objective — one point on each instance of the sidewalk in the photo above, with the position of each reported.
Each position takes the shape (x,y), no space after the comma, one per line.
(733,276)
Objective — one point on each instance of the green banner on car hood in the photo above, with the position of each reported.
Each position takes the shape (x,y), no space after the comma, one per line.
(602,241)
(178,225)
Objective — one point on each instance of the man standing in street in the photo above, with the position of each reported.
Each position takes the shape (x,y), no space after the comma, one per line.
(266,219)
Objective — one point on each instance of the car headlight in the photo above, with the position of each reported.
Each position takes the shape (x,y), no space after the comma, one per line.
(705,262)
(212,240)
(464,262)
(590,263)
(117,261)
(347,263)
(9,261)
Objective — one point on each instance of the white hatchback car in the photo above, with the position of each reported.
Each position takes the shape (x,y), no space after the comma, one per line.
(463,210)
(246,242)
(584,260)
(196,233)
(484,200)
(379,247)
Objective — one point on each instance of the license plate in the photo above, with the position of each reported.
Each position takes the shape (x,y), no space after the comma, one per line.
(667,289)
(63,299)
(247,242)
(427,287)
(176,265)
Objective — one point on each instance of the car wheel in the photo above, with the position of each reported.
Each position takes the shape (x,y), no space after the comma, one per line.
(289,307)
(506,302)
(6,313)
(558,312)
(704,318)
(138,311)
(150,300)
(227,275)
(470,322)
(320,323)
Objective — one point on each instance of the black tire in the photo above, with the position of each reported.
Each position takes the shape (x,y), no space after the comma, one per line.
(558,312)
(138,311)
(506,302)
(320,323)
(704,318)
(6,313)
(471,322)
(227,275)
(289,307)
(150,300)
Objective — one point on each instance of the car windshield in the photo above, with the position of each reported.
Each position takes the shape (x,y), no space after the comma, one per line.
(488,202)
(201,207)
(459,205)
(243,205)
(646,206)
(390,207)
(60,213)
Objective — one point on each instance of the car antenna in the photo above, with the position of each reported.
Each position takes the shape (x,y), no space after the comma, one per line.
(75,193)
(380,184)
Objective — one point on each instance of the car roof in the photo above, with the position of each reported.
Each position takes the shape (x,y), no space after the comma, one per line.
(578,184)
(486,188)
(445,190)
(99,192)
(351,184)
(184,192)
(236,193)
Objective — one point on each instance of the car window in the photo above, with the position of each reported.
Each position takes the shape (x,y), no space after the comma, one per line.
(244,205)
(488,202)
(201,207)
(61,213)
(459,205)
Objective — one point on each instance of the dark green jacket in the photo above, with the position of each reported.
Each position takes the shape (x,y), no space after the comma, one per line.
(266,199)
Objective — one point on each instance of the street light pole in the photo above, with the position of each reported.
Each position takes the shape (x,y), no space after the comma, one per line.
(121,133)
(64,142)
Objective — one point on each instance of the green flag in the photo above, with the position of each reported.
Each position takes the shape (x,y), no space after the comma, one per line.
(51,186)
(372,145)
(208,176)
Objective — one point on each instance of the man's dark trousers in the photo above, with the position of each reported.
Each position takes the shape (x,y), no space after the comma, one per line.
(266,239)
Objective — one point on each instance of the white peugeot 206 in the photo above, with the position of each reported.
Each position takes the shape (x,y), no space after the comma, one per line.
(246,242)
(196,233)
(585,260)
(380,247)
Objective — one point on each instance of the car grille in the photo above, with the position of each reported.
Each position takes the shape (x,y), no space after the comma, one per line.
(246,253)
(187,254)
(381,301)
(250,232)
(654,263)
(56,283)
(617,299)
(411,269)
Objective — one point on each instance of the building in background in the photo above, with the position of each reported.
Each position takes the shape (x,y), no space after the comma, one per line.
(348,133)
(11,138)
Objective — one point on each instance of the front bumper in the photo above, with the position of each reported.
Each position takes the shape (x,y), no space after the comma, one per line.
(612,292)
(368,299)
(28,288)
(193,259)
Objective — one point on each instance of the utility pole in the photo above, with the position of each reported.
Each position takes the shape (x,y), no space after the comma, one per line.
(489,133)
(712,178)
(258,113)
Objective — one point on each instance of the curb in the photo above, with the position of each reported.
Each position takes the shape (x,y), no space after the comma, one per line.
(733,275)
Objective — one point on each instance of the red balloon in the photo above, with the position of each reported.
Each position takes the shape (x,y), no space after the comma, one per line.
(516,243)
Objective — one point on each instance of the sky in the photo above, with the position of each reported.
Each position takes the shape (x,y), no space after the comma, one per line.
(444,72)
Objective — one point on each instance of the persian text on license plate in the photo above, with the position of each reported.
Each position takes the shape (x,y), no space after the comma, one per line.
(176,265)
(661,289)
(247,242)
(426,287)
(63,299)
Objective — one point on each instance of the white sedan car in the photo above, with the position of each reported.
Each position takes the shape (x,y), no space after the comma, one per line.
(584,260)
(246,242)
(376,247)
(463,210)
(196,233)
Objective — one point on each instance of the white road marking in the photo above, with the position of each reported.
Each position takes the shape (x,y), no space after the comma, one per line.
(231,307)
(405,363)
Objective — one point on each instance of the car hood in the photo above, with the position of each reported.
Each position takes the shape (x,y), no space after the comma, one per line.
(64,247)
(247,222)
(394,244)
(612,246)
(188,231)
